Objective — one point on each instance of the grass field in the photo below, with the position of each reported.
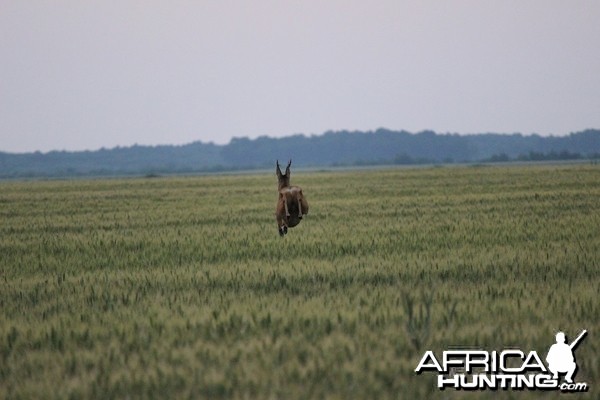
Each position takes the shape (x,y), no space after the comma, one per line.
(181,287)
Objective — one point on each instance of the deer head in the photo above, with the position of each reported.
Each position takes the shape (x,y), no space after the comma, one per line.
(283,179)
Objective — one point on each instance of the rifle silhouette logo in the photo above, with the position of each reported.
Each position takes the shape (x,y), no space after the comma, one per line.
(560,356)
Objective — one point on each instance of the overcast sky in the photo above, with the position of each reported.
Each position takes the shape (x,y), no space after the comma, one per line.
(77,74)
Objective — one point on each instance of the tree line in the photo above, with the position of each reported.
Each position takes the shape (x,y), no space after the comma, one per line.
(332,148)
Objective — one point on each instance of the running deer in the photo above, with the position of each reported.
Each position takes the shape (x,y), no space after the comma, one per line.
(291,204)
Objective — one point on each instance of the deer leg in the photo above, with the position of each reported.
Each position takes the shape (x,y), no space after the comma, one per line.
(287,212)
(283,229)
(281,225)
(299,208)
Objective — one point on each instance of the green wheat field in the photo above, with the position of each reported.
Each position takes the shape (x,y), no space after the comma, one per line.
(180,287)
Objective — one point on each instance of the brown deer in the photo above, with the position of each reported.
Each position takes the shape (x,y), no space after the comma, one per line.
(291,204)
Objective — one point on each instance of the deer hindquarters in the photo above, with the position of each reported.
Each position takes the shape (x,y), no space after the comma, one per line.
(303,205)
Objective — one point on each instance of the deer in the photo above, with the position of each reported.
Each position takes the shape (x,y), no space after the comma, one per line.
(291,204)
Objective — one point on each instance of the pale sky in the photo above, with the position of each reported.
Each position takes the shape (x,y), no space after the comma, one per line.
(77,74)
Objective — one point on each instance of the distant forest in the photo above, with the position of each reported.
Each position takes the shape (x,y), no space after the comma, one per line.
(342,148)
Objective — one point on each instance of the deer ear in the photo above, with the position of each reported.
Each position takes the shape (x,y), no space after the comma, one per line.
(278,170)
(287,170)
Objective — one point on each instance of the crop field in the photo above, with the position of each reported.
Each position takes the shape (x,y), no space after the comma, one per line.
(180,287)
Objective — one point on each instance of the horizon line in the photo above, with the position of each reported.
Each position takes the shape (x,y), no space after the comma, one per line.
(250,138)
